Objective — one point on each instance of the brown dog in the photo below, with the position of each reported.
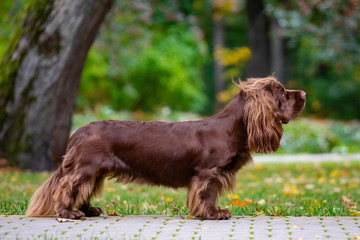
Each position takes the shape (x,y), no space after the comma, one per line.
(202,156)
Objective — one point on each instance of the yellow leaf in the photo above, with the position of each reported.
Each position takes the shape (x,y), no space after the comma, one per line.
(321,180)
(354,212)
(189,217)
(232,196)
(334,173)
(237,202)
(261,213)
(111,190)
(315,203)
(289,190)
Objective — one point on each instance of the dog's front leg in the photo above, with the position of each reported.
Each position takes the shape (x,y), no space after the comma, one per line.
(202,196)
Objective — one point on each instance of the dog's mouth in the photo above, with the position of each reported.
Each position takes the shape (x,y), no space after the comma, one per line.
(285,121)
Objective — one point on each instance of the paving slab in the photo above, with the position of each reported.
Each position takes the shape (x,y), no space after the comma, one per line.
(166,227)
(306,158)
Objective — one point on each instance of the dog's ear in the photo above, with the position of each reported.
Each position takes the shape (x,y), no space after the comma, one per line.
(264,128)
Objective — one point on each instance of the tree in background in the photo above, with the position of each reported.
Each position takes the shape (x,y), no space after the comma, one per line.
(260,61)
(39,77)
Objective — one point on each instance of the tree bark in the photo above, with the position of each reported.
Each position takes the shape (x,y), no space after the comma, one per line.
(39,79)
(259,64)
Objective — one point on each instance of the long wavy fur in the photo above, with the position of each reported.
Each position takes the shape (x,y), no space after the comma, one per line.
(264,128)
(42,202)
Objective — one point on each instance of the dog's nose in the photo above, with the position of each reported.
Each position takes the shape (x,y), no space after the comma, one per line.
(303,95)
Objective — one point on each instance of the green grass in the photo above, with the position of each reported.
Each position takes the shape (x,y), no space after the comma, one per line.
(310,189)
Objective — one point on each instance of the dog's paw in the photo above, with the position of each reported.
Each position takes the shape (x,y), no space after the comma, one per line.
(93,211)
(224,214)
(71,214)
(216,214)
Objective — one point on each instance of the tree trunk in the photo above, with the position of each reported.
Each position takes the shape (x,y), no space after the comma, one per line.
(259,63)
(278,58)
(218,42)
(39,79)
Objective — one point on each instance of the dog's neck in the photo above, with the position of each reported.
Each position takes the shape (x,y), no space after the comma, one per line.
(231,120)
(233,112)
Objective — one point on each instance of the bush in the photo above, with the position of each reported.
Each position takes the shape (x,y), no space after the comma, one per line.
(144,63)
(320,136)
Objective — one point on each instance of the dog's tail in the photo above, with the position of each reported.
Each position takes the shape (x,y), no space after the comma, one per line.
(42,202)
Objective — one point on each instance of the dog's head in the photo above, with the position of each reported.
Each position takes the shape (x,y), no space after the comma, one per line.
(268,106)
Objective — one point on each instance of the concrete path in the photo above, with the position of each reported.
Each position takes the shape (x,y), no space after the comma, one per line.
(303,158)
(165,227)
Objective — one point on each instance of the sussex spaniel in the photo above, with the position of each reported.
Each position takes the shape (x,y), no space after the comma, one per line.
(202,156)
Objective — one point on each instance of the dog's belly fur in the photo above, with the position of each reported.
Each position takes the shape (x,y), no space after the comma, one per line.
(121,156)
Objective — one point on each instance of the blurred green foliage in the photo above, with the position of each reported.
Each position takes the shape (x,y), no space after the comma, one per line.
(320,136)
(323,45)
(146,57)
(8,11)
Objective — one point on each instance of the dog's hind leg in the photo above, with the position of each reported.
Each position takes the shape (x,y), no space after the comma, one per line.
(73,191)
(86,206)
(80,181)
(202,196)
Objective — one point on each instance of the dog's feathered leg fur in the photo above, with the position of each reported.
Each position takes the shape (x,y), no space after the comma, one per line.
(77,186)
(86,207)
(72,186)
(203,193)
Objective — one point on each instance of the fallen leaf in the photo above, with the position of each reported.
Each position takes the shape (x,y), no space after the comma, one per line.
(113,213)
(315,203)
(345,199)
(321,180)
(354,212)
(61,220)
(276,215)
(237,202)
(334,173)
(232,196)
(347,202)
(261,202)
(189,217)
(289,190)
(169,200)
(259,213)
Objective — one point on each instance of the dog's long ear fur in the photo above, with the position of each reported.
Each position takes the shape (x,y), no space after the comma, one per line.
(264,128)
